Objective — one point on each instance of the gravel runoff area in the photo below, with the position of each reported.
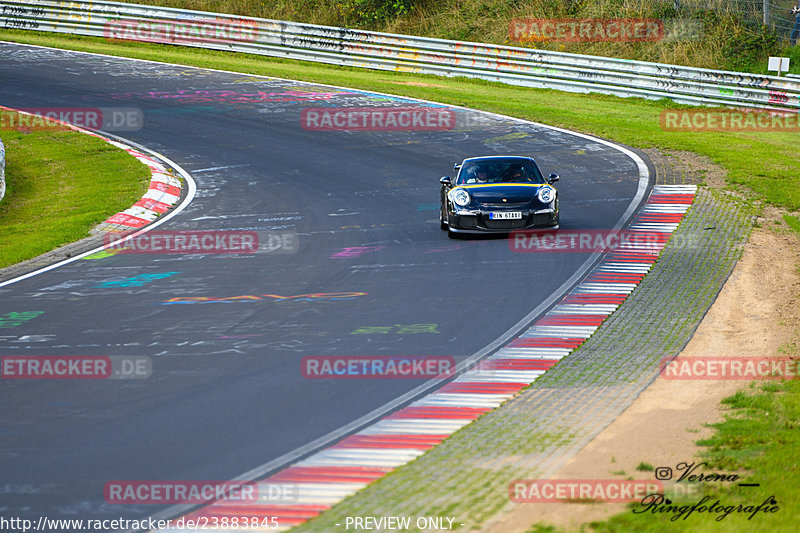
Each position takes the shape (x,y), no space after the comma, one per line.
(467,476)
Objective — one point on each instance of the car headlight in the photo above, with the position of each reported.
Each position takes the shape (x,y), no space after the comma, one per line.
(546,194)
(460,197)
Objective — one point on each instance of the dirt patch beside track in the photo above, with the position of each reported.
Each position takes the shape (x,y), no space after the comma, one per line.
(757,313)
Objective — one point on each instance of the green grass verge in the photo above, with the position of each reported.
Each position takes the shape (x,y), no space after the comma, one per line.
(792,221)
(760,436)
(766,162)
(60,184)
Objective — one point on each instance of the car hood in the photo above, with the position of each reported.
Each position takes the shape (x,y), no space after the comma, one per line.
(496,192)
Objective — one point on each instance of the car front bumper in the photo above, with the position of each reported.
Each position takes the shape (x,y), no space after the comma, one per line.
(477,221)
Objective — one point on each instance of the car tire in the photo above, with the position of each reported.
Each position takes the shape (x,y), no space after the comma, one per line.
(442,223)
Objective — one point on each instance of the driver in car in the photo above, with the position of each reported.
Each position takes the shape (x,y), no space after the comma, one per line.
(478,175)
(515,175)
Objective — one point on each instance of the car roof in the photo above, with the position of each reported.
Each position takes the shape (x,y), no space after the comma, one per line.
(497,157)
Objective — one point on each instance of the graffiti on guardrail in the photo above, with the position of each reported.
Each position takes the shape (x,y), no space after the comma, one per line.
(777,97)
(21,11)
(20,24)
(312,42)
(344,34)
(18,17)
(406,53)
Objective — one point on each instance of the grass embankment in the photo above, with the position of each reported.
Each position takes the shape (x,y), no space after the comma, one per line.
(759,437)
(60,184)
(714,33)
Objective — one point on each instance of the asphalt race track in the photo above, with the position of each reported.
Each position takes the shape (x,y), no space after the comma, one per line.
(226,392)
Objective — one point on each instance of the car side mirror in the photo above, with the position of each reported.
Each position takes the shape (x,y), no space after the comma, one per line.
(456,166)
(444,180)
(553,178)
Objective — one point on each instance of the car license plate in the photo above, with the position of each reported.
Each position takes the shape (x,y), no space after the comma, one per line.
(505,215)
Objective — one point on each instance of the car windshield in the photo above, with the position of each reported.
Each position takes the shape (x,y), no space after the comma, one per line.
(499,171)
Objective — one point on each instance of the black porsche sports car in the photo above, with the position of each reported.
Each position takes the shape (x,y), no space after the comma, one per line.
(497,194)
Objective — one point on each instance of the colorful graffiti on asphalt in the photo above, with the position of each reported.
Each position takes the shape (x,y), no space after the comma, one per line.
(356,251)
(397,329)
(136,281)
(314,297)
(13,319)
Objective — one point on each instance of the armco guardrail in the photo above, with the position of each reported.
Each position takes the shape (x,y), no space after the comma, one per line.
(384,51)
